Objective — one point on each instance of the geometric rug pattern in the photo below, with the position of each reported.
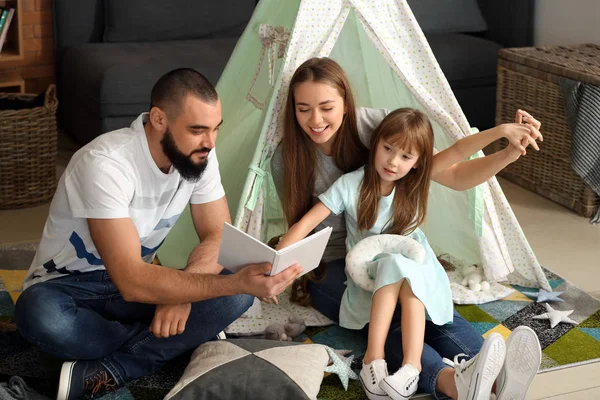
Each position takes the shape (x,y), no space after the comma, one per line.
(563,346)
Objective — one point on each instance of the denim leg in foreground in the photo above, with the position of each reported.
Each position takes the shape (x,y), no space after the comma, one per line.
(85,317)
(326,295)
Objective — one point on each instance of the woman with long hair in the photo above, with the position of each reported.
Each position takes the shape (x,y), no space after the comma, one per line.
(326,136)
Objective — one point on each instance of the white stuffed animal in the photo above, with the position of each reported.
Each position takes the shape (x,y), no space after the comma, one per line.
(474,278)
(358,260)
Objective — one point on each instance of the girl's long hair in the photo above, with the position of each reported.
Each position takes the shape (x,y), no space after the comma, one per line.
(408,129)
(299,151)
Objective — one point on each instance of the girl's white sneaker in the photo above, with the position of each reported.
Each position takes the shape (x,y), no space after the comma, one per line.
(403,384)
(370,376)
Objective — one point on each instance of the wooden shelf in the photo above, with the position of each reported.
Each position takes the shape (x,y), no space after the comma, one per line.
(10,55)
(12,83)
(13,47)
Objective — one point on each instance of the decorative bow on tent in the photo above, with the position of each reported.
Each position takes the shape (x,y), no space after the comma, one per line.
(274,38)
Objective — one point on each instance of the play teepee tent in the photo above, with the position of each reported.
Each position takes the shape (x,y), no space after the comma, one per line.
(388,60)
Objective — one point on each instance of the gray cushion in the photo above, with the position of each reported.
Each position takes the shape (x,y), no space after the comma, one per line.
(114,79)
(249,369)
(142,20)
(448,16)
(77,22)
(466,60)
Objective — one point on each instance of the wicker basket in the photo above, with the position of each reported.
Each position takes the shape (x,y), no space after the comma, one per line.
(28,152)
(528,79)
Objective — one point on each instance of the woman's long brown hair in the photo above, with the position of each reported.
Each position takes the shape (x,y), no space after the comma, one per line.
(299,151)
(408,129)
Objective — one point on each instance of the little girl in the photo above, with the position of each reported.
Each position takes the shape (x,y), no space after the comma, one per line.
(389,195)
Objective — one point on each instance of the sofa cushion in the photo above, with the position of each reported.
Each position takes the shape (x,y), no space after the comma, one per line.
(466,60)
(113,79)
(479,105)
(142,20)
(448,16)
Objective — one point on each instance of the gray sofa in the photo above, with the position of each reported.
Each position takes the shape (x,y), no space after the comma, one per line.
(110,52)
(465,36)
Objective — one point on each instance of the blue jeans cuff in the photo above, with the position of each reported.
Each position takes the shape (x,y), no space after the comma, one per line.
(431,385)
(106,363)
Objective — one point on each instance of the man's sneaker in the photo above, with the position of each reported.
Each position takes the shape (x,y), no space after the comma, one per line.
(475,377)
(403,384)
(370,376)
(84,380)
(523,358)
(221,335)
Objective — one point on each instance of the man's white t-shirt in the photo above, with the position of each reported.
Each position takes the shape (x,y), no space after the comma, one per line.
(115,176)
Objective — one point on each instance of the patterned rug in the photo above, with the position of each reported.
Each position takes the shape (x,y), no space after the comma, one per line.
(565,345)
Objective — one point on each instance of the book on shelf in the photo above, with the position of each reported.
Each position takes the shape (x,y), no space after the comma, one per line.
(5,20)
(3,15)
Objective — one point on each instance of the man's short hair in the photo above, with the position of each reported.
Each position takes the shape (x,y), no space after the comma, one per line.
(170,90)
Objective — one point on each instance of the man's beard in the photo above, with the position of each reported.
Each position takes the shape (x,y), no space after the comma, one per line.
(188,170)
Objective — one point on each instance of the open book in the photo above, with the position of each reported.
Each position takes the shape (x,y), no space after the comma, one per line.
(239,249)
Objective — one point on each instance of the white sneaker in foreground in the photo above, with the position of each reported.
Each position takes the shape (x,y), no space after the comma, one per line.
(221,335)
(523,358)
(403,384)
(370,376)
(475,377)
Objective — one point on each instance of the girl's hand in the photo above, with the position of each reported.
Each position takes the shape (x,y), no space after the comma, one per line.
(524,132)
(521,135)
(522,115)
(513,152)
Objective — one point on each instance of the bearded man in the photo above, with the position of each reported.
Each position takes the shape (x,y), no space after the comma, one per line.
(93,296)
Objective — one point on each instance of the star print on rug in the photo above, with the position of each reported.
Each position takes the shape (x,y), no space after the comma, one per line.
(341,367)
(545,296)
(556,316)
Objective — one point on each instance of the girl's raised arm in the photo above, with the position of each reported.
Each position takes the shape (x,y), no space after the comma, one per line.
(518,134)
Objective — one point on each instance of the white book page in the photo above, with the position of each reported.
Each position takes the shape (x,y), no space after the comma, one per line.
(307,252)
(239,249)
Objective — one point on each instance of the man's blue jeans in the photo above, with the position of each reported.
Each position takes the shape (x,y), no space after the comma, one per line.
(84,317)
(440,341)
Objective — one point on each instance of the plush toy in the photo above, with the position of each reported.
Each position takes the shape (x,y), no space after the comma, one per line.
(474,278)
(287,331)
